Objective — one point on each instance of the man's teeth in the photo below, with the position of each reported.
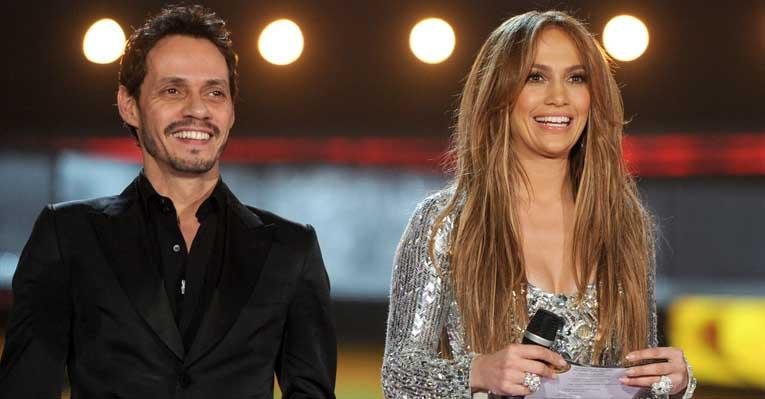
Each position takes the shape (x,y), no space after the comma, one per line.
(192,135)
(557,120)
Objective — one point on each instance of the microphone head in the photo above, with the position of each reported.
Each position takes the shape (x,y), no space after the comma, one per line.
(544,324)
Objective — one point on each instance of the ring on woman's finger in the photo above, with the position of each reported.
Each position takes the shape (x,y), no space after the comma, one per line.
(662,387)
(532,381)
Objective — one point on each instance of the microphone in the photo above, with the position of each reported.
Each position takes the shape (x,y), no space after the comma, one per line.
(541,330)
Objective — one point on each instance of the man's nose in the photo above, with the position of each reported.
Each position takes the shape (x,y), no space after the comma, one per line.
(196,107)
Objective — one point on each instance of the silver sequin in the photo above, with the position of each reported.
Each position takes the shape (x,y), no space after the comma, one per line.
(575,340)
(422,305)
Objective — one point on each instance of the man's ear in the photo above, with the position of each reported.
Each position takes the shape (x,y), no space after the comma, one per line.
(128,107)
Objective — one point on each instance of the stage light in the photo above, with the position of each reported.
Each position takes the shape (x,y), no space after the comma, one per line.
(104,42)
(693,326)
(742,339)
(281,42)
(432,40)
(625,37)
(722,338)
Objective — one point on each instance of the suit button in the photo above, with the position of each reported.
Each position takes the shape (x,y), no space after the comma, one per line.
(184,380)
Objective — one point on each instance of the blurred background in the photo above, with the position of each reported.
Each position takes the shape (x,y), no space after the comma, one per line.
(348,134)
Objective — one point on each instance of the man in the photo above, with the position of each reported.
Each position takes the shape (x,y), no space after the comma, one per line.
(172,289)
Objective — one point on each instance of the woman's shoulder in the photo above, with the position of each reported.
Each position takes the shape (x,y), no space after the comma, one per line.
(429,215)
(434,203)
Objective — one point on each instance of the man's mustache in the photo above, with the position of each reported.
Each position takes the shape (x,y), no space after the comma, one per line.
(191,123)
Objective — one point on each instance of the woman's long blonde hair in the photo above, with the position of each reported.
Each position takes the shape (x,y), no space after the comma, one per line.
(613,235)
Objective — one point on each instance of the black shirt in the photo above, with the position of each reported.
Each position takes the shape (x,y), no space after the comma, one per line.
(190,276)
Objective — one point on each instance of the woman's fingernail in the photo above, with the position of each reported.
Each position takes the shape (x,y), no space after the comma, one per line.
(562,362)
(629,356)
(629,372)
(623,380)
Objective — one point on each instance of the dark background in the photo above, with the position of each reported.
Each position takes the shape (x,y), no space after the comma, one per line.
(703,70)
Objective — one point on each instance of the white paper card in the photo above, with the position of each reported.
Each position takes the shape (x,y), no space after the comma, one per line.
(586,383)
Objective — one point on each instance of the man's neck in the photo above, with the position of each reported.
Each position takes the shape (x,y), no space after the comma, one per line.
(187,191)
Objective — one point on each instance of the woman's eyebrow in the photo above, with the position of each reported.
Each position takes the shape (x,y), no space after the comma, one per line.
(547,68)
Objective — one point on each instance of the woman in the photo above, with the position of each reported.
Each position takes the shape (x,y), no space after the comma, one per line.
(542,213)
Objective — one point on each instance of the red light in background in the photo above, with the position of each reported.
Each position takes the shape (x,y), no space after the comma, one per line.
(665,155)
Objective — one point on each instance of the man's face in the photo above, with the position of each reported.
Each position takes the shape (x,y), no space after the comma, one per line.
(185,111)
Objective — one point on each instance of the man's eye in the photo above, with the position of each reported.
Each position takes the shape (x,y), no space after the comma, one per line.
(171,90)
(217,93)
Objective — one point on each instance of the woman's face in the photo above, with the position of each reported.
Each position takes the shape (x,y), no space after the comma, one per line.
(551,111)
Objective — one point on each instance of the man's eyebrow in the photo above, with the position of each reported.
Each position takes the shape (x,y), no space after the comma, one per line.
(546,68)
(173,80)
(181,81)
(214,82)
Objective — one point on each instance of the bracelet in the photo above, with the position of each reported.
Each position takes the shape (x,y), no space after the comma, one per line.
(691,381)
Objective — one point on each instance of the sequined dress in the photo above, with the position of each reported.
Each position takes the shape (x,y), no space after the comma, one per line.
(422,304)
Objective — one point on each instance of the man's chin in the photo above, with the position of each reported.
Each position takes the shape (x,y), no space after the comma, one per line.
(192,167)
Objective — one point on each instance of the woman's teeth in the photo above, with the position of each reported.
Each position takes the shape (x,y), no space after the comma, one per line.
(556,121)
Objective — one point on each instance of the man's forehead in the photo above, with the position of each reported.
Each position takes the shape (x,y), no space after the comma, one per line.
(186,57)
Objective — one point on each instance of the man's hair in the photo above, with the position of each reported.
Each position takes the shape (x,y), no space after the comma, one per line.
(187,20)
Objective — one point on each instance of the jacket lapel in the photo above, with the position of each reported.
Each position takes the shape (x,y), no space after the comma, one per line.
(122,231)
(247,245)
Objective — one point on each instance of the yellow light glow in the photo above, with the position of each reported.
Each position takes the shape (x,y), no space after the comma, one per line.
(104,42)
(432,40)
(742,342)
(625,37)
(722,338)
(693,326)
(281,42)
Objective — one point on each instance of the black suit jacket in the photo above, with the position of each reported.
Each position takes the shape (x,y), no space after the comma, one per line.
(87,296)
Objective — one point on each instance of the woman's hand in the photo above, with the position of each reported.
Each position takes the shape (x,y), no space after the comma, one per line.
(503,372)
(675,368)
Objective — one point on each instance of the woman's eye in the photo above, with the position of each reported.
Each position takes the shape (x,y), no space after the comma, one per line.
(535,77)
(578,79)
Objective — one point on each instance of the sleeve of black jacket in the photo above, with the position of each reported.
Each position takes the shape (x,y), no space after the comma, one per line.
(307,363)
(37,334)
